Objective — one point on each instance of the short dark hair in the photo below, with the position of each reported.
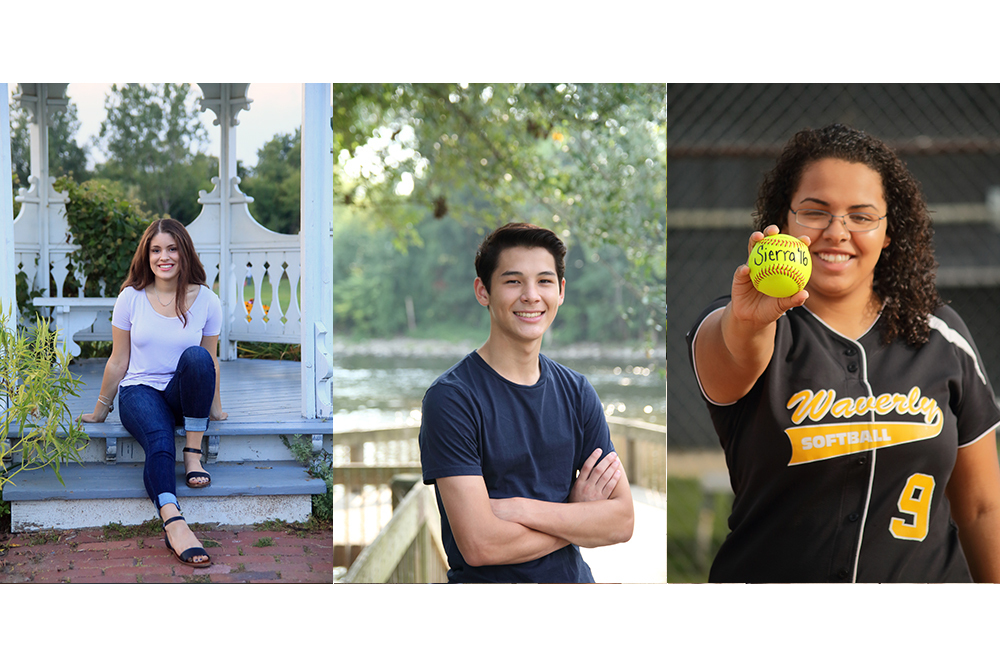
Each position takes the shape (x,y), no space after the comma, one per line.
(905,273)
(518,235)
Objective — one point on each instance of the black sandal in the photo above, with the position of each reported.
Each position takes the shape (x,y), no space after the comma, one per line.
(187,558)
(195,474)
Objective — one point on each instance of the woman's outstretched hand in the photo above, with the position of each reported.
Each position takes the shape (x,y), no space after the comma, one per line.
(756,308)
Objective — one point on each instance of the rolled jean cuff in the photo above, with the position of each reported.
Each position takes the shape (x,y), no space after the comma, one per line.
(196,424)
(166,499)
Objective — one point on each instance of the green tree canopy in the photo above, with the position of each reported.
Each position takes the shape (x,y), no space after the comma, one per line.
(275,183)
(588,161)
(153,138)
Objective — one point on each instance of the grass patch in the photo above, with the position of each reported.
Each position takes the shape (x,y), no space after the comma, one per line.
(115,531)
(264,542)
(685,502)
(279,351)
(42,537)
(320,466)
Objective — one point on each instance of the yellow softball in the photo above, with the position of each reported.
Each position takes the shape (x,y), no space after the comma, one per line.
(780,265)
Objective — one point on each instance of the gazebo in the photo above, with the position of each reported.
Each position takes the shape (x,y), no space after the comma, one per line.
(255,475)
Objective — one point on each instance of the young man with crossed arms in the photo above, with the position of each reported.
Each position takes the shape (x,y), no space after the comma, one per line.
(506,430)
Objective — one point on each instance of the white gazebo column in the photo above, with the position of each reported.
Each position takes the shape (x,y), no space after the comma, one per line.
(8,270)
(41,225)
(226,100)
(317,250)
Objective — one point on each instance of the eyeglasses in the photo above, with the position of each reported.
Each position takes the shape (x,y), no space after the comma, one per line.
(854,222)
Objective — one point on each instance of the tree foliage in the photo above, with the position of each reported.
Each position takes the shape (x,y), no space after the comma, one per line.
(588,161)
(107,227)
(375,287)
(275,183)
(153,138)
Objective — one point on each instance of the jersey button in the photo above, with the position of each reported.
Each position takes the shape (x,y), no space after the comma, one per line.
(853,516)
(852,367)
(842,574)
(862,461)
(850,351)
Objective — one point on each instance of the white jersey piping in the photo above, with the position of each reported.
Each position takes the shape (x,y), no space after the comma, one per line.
(694,361)
(871,471)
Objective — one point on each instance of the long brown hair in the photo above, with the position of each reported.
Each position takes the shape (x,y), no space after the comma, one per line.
(191,272)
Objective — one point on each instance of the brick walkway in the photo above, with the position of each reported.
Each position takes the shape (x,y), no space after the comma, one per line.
(94,556)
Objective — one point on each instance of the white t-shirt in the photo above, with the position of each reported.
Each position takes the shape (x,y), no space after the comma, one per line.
(157,342)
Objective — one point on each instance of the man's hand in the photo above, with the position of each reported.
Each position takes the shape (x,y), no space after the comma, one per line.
(596,480)
(607,519)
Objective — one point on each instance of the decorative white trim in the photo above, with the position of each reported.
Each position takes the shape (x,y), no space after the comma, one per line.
(959,341)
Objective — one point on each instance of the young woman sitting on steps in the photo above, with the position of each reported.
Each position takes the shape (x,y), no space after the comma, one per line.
(165,334)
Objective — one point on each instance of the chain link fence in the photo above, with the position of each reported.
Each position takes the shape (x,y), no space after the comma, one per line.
(722,138)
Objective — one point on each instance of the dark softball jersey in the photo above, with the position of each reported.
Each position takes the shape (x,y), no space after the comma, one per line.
(840,454)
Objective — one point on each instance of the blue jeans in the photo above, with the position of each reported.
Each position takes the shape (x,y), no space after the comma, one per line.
(151,415)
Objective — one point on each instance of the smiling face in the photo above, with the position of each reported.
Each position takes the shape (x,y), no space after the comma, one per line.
(843,262)
(525,294)
(164,257)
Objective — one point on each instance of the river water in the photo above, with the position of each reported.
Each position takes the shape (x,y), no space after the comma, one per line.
(373,390)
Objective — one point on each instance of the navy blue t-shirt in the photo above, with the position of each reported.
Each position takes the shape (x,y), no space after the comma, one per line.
(525,441)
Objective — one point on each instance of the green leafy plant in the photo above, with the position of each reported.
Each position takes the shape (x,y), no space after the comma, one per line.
(318,465)
(107,227)
(35,384)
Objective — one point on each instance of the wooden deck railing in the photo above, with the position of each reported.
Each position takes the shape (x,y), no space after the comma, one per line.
(642,448)
(365,463)
(408,550)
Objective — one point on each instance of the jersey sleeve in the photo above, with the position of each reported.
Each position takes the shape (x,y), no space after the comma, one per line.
(449,428)
(121,316)
(975,404)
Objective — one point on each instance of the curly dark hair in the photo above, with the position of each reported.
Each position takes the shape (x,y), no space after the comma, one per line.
(905,272)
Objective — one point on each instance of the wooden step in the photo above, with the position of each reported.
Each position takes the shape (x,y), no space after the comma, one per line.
(113,434)
(110,442)
(95,494)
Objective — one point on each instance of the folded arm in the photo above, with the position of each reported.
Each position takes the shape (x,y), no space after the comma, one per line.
(599,513)
(482,537)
